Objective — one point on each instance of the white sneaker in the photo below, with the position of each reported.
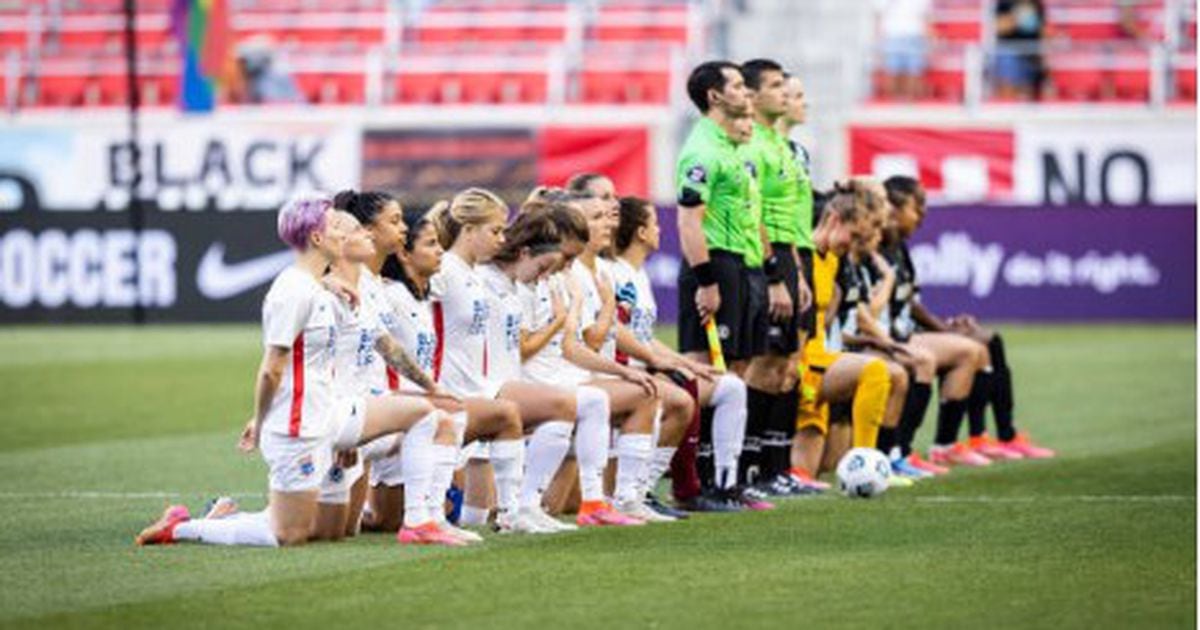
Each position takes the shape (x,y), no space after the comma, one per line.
(639,510)
(464,535)
(521,522)
(549,522)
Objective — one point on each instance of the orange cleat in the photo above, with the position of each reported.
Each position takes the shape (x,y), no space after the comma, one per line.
(920,463)
(1025,447)
(958,455)
(992,449)
(601,514)
(162,531)
(428,534)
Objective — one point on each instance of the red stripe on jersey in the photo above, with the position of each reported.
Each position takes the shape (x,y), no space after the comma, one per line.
(439,331)
(393,379)
(297,386)
(485,347)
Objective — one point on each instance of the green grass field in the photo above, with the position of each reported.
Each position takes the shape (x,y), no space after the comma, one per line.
(101,427)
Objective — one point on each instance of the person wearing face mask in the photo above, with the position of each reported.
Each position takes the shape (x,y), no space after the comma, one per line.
(1020,28)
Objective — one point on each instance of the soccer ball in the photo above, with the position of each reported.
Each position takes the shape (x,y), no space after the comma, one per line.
(863,473)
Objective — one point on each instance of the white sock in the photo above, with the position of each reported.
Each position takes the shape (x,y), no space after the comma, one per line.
(417,466)
(729,428)
(445,459)
(633,456)
(473,516)
(247,528)
(591,440)
(659,463)
(543,455)
(508,462)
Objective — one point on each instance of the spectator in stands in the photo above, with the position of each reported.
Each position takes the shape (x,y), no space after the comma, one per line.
(1131,26)
(261,79)
(902,29)
(1020,28)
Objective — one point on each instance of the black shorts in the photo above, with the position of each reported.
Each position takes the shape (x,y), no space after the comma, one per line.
(808,317)
(735,317)
(781,336)
(758,316)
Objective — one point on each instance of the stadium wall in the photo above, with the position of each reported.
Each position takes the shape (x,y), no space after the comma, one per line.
(68,252)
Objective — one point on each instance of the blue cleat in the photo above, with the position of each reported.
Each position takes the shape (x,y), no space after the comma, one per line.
(901,468)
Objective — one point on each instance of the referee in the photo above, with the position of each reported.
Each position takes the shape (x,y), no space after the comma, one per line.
(716,213)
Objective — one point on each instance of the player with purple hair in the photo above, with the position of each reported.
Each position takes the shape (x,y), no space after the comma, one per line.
(299,421)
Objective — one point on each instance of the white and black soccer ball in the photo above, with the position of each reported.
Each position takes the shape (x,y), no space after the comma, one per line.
(863,473)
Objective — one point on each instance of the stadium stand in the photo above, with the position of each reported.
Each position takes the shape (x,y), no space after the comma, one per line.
(68,53)
(1090,54)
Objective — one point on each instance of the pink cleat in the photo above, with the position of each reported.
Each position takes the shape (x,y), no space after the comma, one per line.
(992,449)
(958,455)
(428,534)
(804,478)
(601,514)
(920,463)
(752,500)
(1022,445)
(162,531)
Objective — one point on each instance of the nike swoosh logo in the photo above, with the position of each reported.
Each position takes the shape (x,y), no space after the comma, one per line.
(217,280)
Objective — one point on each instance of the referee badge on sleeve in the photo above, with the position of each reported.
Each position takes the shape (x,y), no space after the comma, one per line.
(697,174)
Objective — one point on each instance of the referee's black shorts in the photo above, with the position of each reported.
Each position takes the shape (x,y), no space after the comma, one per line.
(808,317)
(735,318)
(781,335)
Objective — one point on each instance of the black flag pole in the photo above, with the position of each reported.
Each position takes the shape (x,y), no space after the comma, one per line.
(136,210)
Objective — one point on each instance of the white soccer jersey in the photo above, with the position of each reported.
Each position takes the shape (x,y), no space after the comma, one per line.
(411,326)
(461,299)
(504,325)
(358,369)
(592,302)
(537,311)
(299,314)
(633,291)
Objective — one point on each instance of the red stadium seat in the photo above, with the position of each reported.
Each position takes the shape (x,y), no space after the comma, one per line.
(944,78)
(1185,77)
(1131,75)
(331,87)
(624,87)
(1076,75)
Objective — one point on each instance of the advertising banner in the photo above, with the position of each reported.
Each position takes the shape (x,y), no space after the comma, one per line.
(208,247)
(187,164)
(1037,264)
(428,165)
(1038,162)
(1059,264)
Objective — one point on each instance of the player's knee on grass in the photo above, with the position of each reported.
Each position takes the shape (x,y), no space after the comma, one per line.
(870,402)
(812,414)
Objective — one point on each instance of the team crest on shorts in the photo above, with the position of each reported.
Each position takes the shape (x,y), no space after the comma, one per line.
(723,332)
(336,474)
(306,465)
(697,174)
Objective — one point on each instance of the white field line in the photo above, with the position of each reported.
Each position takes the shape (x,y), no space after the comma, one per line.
(106,495)
(1065,498)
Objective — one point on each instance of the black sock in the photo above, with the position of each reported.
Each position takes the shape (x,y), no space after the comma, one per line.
(950,417)
(777,439)
(913,414)
(977,402)
(758,409)
(1002,390)
(887,439)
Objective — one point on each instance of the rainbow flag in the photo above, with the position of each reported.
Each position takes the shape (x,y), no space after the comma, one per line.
(205,43)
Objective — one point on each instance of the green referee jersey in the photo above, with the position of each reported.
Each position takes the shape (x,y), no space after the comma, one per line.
(804,236)
(712,171)
(779,183)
